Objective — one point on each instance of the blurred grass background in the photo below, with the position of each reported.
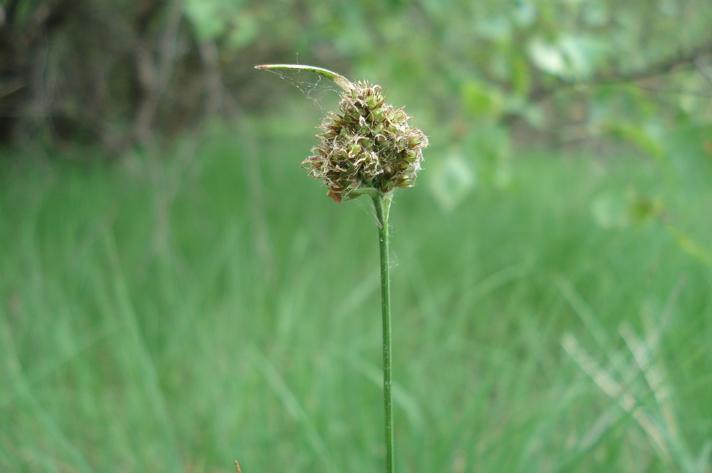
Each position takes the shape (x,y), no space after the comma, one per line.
(176,294)
(217,306)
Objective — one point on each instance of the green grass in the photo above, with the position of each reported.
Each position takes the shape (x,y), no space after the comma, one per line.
(175,316)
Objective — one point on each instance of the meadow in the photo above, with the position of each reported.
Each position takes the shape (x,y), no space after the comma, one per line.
(177,312)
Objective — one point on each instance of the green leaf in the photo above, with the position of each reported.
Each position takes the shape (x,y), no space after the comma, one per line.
(643,138)
(610,211)
(244,32)
(547,57)
(480,100)
(451,179)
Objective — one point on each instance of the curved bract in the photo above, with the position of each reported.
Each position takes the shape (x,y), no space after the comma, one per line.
(340,80)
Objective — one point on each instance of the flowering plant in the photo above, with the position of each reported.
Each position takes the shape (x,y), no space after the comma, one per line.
(367,148)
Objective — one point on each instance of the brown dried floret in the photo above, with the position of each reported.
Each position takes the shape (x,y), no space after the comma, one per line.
(366,145)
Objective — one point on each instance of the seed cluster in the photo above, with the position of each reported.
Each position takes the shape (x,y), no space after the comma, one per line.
(368,144)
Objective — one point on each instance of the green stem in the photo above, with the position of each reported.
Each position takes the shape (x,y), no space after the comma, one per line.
(382,203)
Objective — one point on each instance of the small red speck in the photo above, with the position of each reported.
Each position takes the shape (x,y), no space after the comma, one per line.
(334,195)
(708,147)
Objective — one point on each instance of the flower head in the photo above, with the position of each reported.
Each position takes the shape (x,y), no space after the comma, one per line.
(367,146)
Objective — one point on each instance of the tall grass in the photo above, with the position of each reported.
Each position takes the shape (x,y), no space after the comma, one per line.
(174,316)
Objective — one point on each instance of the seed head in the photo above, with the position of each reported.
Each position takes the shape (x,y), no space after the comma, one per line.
(367,146)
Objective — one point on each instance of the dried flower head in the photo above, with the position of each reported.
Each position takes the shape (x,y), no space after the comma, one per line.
(366,146)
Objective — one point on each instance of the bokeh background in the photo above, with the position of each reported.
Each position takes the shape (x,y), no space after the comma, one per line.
(176,294)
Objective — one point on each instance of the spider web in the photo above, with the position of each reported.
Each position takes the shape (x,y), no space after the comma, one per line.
(322,92)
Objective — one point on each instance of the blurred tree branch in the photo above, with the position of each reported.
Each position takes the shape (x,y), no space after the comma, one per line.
(654,69)
(154,74)
(10,11)
(664,66)
(22,37)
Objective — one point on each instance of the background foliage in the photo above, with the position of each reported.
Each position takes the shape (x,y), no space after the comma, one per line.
(199,300)
(113,72)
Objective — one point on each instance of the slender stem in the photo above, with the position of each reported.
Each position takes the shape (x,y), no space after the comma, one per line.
(382,203)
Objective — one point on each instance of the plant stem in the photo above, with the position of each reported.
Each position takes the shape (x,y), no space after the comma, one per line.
(382,203)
